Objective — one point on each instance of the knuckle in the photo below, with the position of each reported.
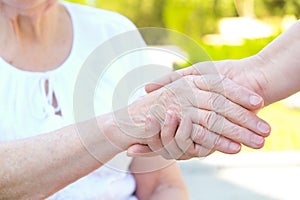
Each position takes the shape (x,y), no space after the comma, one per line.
(192,151)
(236,91)
(198,134)
(201,151)
(188,80)
(211,120)
(236,134)
(218,143)
(222,79)
(242,116)
(218,81)
(223,145)
(236,131)
(217,102)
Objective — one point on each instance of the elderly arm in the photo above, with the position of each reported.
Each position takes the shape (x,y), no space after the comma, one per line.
(36,167)
(39,166)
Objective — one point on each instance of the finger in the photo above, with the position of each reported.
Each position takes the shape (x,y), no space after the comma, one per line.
(183,136)
(197,69)
(236,93)
(213,141)
(156,145)
(232,111)
(154,142)
(140,150)
(202,151)
(152,128)
(196,150)
(187,132)
(183,140)
(168,132)
(161,82)
(227,146)
(220,125)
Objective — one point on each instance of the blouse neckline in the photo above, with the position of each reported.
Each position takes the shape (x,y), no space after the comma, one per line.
(59,68)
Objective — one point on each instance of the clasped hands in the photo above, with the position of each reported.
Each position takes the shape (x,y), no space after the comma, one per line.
(194,116)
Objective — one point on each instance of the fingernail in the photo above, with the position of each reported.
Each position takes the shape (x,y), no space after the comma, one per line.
(263,127)
(234,147)
(255,100)
(257,139)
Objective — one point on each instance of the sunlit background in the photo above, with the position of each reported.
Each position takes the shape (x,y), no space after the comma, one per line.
(233,29)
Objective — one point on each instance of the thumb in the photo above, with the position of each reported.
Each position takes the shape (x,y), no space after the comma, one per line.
(140,150)
(152,128)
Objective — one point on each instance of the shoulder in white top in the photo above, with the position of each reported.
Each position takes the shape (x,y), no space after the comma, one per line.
(26,109)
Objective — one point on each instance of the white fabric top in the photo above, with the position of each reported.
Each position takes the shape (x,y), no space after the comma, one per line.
(26,108)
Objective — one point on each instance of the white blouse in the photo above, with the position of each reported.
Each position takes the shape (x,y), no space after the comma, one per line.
(27,108)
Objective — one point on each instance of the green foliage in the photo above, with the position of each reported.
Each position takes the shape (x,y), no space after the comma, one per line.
(196,18)
(192,17)
(285,133)
(78,1)
(143,13)
(249,48)
(277,8)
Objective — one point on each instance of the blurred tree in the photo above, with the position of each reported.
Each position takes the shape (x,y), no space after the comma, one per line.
(194,17)
(143,13)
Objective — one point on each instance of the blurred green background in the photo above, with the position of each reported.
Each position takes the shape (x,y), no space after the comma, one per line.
(226,29)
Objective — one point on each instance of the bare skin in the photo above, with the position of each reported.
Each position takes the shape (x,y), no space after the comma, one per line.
(272,73)
(42,35)
(38,37)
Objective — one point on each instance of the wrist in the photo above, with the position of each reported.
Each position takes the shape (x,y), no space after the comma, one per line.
(249,72)
(131,120)
(126,127)
(113,133)
(255,67)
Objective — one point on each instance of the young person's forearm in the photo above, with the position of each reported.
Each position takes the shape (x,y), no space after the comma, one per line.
(273,73)
(281,65)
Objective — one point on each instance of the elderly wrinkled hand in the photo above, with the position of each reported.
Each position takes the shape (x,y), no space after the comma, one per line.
(213,113)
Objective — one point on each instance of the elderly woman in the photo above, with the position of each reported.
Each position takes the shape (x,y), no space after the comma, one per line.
(43,44)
